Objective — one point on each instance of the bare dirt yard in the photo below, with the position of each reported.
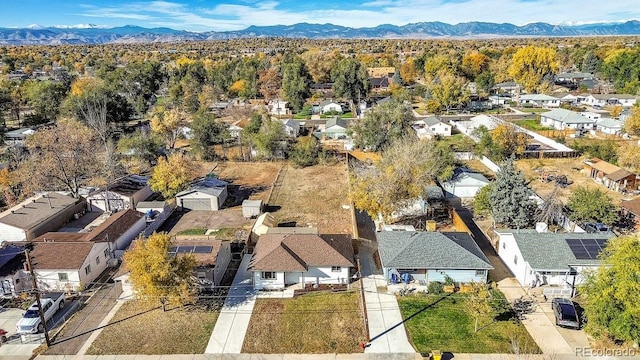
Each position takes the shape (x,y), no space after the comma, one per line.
(313,196)
(250,179)
(572,168)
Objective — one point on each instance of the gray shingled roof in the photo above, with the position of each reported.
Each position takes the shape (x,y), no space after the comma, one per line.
(567,117)
(549,251)
(430,250)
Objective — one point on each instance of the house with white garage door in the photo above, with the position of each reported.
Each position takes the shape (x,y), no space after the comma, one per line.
(124,193)
(464,184)
(203,194)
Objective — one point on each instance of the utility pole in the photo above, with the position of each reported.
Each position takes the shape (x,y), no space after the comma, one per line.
(34,283)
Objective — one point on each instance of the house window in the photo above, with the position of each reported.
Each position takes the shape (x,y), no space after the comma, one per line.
(479,272)
(106,253)
(17,281)
(97,260)
(202,275)
(269,275)
(515,259)
(63,277)
(504,245)
(336,269)
(87,270)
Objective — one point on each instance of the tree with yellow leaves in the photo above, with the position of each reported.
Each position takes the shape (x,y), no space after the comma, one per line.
(172,175)
(157,276)
(530,65)
(632,123)
(167,124)
(399,178)
(628,156)
(508,140)
(408,71)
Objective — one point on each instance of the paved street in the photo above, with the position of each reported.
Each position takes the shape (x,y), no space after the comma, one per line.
(231,327)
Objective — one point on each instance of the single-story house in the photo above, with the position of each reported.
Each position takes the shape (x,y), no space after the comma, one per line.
(279,107)
(335,129)
(631,208)
(509,87)
(431,126)
(123,193)
(17,137)
(38,215)
(567,98)
(591,115)
(465,184)
(119,229)
(291,127)
(611,176)
(381,71)
(380,83)
(236,127)
(573,77)
(280,260)
(69,264)
(538,100)
(499,100)
(203,194)
(562,119)
(327,106)
(431,256)
(212,258)
(609,126)
(219,107)
(550,258)
(14,279)
(469,127)
(602,100)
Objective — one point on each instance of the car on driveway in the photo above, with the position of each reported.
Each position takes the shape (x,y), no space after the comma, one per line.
(565,312)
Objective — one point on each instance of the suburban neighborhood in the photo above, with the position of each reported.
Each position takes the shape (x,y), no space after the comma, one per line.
(407,203)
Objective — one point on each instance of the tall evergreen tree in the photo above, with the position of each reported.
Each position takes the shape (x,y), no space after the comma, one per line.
(296,82)
(511,203)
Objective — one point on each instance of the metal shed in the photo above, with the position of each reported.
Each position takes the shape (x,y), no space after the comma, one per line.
(251,208)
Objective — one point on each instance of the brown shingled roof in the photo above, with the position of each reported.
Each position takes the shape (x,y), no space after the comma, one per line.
(619,175)
(632,206)
(603,166)
(115,226)
(296,252)
(60,255)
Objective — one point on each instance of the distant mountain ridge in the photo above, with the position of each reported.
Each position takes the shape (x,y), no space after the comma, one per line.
(91,34)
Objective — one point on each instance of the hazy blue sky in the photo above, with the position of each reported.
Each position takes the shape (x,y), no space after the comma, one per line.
(207,15)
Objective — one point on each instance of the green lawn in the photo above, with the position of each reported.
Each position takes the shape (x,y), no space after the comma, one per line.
(196,231)
(458,142)
(531,124)
(315,323)
(442,323)
(140,329)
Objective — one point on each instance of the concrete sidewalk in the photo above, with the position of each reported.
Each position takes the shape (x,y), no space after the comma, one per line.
(232,324)
(540,327)
(386,326)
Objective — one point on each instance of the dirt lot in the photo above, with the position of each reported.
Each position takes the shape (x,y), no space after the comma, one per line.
(313,196)
(250,179)
(571,167)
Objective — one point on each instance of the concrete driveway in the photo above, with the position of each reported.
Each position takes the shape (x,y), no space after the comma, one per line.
(575,338)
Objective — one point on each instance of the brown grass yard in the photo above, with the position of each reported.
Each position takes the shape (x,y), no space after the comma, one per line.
(315,323)
(313,196)
(258,176)
(150,331)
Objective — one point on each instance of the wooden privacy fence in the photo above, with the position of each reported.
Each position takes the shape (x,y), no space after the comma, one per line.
(556,133)
(458,223)
(548,154)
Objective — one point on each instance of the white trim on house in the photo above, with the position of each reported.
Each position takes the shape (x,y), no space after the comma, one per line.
(313,275)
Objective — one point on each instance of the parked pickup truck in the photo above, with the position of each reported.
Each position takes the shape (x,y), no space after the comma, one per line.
(31,323)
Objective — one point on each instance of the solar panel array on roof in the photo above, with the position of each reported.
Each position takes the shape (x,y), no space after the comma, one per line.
(183,249)
(8,253)
(586,249)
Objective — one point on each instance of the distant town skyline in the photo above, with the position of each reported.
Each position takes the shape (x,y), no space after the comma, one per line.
(225,15)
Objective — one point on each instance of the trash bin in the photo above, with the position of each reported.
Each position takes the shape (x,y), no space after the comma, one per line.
(436,355)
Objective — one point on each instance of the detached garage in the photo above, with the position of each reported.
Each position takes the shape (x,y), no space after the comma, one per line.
(205,194)
(465,184)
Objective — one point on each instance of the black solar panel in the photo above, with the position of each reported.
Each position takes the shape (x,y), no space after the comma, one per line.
(203,249)
(185,249)
(8,253)
(586,249)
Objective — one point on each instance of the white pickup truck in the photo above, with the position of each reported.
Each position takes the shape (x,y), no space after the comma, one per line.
(31,323)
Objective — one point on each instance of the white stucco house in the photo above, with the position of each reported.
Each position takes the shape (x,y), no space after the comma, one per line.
(334,128)
(69,264)
(602,100)
(327,106)
(123,193)
(431,126)
(562,119)
(550,258)
(538,100)
(291,127)
(280,260)
(278,107)
(428,256)
(609,126)
(464,184)
(203,194)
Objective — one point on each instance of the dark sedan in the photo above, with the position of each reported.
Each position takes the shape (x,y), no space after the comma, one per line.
(565,312)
